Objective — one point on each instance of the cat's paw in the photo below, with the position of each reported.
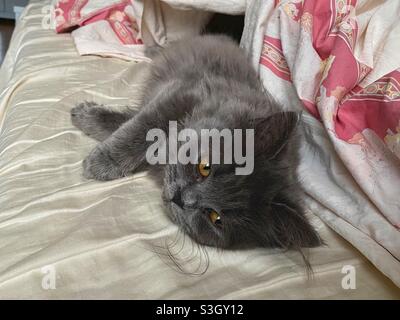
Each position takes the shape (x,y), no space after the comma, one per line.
(99,165)
(82,113)
(89,117)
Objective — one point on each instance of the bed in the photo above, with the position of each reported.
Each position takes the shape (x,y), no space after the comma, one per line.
(64,237)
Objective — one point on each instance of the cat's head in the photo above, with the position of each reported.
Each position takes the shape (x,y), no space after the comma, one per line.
(217,207)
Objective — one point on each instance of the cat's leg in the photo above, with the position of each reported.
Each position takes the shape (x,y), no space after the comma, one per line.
(97,121)
(124,151)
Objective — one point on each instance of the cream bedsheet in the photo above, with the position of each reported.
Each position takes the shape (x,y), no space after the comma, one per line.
(108,240)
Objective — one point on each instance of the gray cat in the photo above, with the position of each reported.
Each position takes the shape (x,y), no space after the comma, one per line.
(203,83)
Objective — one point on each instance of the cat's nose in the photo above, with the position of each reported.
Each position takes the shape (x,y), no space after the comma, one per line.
(189,198)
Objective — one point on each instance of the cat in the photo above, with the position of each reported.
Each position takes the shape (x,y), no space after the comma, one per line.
(208,82)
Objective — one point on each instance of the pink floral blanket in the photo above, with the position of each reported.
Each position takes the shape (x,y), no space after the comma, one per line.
(110,28)
(340,61)
(120,15)
(334,61)
(118,28)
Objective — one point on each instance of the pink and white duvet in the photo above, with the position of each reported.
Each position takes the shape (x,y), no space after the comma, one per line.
(340,61)
(103,27)
(118,28)
(346,71)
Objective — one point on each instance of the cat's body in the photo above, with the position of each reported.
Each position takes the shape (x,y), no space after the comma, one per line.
(204,83)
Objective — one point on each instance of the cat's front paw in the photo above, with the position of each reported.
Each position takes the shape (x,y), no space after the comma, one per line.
(82,115)
(99,165)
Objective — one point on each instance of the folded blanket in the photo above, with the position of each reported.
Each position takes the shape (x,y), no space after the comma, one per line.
(339,60)
(109,28)
(122,16)
(118,28)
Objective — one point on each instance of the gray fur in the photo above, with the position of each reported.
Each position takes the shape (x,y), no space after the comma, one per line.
(207,82)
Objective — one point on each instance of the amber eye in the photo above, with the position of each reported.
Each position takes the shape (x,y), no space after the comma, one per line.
(204,168)
(215,218)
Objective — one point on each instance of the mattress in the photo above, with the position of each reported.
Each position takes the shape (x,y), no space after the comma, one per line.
(64,237)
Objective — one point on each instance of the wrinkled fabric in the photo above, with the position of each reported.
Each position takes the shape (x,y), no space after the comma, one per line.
(122,28)
(122,16)
(110,239)
(105,28)
(339,60)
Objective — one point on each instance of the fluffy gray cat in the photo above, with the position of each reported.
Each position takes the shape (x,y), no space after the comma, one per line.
(203,83)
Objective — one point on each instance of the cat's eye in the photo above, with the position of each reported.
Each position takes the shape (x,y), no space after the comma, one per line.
(204,168)
(215,218)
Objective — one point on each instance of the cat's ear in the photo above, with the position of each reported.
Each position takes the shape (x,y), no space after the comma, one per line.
(290,229)
(273,132)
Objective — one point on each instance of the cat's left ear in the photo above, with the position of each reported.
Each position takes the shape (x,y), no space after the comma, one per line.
(272,133)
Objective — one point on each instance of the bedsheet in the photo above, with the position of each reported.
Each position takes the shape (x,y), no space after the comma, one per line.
(62,236)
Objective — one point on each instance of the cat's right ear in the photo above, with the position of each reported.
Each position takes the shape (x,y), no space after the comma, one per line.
(272,133)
